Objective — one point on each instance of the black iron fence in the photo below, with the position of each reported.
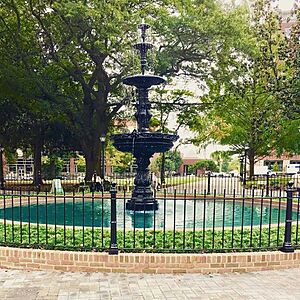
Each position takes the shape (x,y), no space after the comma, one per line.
(184,222)
(203,183)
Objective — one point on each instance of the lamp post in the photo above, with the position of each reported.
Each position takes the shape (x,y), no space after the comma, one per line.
(102,141)
(1,168)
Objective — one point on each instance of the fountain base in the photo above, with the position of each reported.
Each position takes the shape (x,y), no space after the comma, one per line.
(143,145)
(134,205)
(142,200)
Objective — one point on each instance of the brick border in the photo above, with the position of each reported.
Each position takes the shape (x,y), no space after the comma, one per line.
(68,261)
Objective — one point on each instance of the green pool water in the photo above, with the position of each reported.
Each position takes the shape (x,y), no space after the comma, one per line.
(178,214)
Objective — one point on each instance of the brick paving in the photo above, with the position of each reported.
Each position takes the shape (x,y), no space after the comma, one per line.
(27,285)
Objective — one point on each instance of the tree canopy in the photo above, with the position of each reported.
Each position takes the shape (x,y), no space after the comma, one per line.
(63,61)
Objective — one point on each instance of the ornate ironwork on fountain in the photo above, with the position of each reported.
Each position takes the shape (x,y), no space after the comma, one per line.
(143,114)
(143,143)
(142,195)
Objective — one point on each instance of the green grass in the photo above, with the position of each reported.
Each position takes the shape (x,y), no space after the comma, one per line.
(169,181)
(177,241)
(280,182)
(182,180)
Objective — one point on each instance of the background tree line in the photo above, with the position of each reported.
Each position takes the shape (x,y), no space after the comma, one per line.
(62,64)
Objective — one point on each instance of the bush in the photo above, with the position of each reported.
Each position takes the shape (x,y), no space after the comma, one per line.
(206,164)
(52,167)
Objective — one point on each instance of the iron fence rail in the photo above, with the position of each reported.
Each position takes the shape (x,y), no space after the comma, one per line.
(203,183)
(184,222)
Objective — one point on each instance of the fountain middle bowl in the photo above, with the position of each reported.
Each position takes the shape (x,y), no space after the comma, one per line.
(144,142)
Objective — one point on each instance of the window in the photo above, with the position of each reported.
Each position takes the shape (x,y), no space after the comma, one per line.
(274,165)
(293,162)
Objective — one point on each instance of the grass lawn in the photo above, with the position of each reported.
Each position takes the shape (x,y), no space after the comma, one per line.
(169,181)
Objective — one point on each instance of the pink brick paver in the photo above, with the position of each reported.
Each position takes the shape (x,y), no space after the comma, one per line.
(27,285)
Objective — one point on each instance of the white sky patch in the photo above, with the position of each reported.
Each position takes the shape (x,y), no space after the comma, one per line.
(282,4)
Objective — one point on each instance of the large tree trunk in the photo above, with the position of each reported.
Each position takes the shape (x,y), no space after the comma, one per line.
(92,161)
(97,122)
(37,158)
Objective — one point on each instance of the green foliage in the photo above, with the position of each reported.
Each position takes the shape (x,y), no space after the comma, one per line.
(222,158)
(80,163)
(245,91)
(234,164)
(11,157)
(59,59)
(206,164)
(275,167)
(63,62)
(173,161)
(168,102)
(121,162)
(52,166)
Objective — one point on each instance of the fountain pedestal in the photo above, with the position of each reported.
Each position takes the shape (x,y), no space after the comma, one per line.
(142,194)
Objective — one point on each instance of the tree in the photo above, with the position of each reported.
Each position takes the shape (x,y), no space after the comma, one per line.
(52,166)
(33,131)
(275,167)
(72,55)
(173,161)
(222,158)
(28,121)
(234,164)
(247,111)
(168,102)
(80,163)
(289,140)
(121,162)
(206,164)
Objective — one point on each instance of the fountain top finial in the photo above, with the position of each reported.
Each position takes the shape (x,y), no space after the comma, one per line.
(143,46)
(143,81)
(143,27)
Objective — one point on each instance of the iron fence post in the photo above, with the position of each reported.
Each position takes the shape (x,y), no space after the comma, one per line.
(287,245)
(208,182)
(268,184)
(1,168)
(113,249)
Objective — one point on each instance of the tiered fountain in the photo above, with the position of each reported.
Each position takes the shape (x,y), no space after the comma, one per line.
(141,142)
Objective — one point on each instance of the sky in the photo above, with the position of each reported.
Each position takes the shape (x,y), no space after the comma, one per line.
(282,4)
(285,4)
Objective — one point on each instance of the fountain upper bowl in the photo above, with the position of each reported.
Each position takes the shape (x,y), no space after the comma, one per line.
(143,81)
(144,142)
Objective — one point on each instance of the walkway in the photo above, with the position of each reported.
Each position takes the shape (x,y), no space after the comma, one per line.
(27,285)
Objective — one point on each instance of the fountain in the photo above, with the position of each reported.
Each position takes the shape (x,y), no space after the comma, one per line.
(141,142)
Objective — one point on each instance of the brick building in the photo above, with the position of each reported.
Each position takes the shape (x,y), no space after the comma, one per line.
(281,161)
